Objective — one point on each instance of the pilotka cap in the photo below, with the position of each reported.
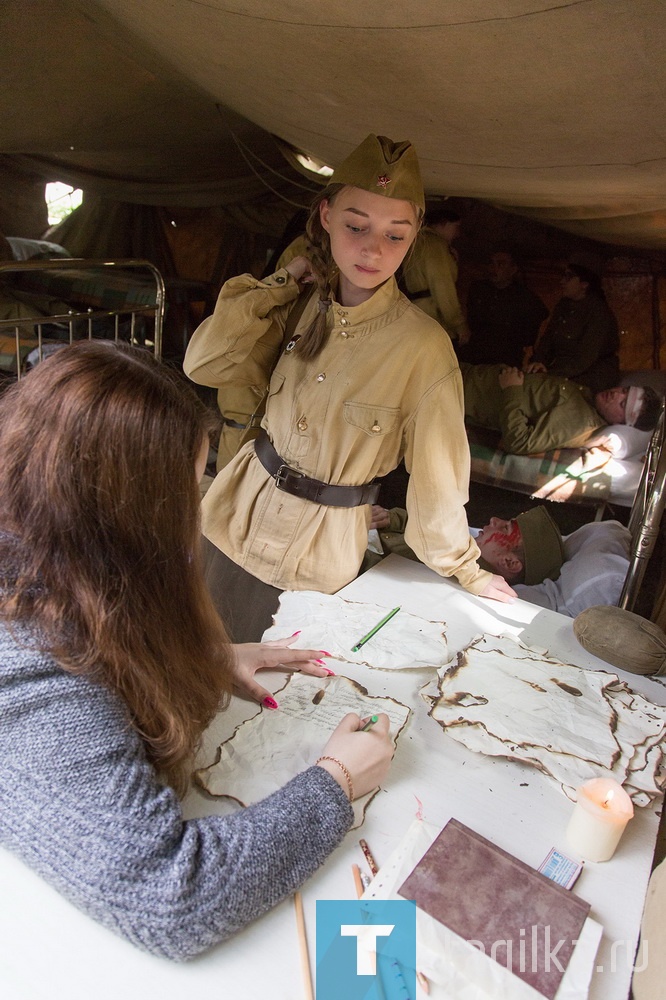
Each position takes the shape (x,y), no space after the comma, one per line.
(542,545)
(384,167)
(543,549)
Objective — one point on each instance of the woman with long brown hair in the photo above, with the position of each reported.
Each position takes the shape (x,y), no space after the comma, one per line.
(364,380)
(113,660)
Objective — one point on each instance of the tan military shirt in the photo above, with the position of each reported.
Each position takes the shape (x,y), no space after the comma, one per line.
(385,386)
(432,266)
(237,403)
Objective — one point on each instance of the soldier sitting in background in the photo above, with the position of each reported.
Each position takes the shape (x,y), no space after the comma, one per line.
(581,339)
(504,315)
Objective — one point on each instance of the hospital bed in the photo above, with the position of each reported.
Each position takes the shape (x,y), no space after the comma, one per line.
(121,300)
(587,476)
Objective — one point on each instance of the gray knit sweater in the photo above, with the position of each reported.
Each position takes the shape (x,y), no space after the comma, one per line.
(80,804)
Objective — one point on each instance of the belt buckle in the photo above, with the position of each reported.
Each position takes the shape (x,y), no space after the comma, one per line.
(282,477)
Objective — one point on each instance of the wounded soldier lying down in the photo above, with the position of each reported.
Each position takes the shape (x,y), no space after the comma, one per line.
(569,574)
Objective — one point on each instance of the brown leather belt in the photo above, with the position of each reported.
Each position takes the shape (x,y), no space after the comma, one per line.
(299,485)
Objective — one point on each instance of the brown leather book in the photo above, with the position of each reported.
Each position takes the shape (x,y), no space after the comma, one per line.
(511,912)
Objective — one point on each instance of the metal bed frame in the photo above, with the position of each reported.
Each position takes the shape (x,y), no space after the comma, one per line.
(646,513)
(76,317)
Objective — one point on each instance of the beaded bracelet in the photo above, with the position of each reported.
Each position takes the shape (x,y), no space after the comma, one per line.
(344,770)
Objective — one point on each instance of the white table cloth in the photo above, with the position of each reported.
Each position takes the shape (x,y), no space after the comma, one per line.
(50,951)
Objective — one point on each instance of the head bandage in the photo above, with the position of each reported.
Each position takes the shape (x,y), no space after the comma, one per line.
(634,403)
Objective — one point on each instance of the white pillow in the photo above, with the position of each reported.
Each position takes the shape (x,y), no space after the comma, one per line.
(621,440)
(593,572)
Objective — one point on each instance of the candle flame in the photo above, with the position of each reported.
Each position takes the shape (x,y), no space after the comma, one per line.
(609,797)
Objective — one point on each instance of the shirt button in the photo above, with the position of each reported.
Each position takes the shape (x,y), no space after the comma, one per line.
(343,333)
(375,428)
(302,424)
(344,322)
(321,376)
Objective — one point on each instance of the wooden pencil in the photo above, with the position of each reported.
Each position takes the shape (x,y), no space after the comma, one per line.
(356,872)
(372,864)
(303,947)
(423,982)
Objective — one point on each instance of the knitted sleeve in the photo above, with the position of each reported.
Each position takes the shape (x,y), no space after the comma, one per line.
(82,806)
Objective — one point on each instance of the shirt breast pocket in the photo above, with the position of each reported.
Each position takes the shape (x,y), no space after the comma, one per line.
(275,384)
(272,401)
(375,421)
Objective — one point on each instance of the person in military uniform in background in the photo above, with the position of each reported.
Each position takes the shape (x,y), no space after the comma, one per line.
(582,339)
(297,248)
(567,574)
(429,276)
(527,549)
(537,412)
(504,315)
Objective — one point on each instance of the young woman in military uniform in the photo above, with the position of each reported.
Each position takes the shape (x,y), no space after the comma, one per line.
(365,380)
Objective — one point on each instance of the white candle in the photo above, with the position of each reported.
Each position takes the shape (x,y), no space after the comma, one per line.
(602,811)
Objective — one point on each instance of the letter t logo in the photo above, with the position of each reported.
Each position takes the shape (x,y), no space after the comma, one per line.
(366,944)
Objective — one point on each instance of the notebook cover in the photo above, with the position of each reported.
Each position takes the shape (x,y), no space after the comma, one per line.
(508,910)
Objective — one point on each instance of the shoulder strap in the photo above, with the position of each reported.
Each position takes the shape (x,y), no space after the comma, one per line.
(295,314)
(253,425)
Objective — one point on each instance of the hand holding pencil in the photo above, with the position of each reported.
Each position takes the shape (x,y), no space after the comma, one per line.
(364,753)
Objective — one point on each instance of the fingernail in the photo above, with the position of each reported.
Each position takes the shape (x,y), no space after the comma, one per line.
(331,673)
(324,653)
(269,702)
(295,633)
(320,662)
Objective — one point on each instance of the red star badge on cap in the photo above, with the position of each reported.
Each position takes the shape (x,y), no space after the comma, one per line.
(383,181)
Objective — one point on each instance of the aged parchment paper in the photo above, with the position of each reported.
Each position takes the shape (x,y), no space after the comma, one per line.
(272,747)
(502,698)
(329,622)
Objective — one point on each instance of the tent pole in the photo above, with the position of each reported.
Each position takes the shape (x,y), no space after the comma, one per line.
(656,323)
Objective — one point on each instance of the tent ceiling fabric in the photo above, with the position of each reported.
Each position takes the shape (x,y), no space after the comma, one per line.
(554,110)
(93,106)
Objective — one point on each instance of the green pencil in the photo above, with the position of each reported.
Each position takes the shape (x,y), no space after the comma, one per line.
(362,642)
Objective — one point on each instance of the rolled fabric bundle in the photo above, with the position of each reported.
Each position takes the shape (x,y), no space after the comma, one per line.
(622,638)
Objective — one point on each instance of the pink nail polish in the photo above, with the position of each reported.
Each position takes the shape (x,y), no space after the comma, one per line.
(331,673)
(324,653)
(295,633)
(320,662)
(269,702)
